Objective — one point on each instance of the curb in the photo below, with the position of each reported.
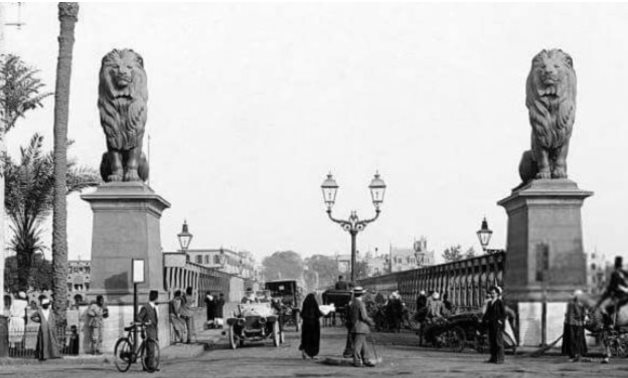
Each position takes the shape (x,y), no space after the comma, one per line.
(170,352)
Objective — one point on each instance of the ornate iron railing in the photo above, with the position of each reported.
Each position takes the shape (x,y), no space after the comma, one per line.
(465,281)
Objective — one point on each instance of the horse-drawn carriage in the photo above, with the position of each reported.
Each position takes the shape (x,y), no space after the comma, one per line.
(340,299)
(462,330)
(289,294)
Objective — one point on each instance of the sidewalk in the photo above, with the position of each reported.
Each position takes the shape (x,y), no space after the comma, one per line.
(205,341)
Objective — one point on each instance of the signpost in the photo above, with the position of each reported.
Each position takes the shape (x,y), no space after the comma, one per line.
(137,270)
(542,268)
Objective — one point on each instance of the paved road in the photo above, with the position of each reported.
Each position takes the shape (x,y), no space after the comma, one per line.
(400,356)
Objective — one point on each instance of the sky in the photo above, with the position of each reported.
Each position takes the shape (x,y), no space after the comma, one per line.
(251,105)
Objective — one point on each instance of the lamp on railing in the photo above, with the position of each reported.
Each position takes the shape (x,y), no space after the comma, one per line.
(484,235)
(185,237)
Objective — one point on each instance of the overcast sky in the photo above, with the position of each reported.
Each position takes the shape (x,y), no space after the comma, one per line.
(250,105)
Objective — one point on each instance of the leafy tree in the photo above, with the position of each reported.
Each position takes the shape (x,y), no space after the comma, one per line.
(20,91)
(470,253)
(285,265)
(68,15)
(39,277)
(453,253)
(29,187)
(325,266)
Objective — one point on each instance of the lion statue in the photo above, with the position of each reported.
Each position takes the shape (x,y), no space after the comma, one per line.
(122,96)
(551,103)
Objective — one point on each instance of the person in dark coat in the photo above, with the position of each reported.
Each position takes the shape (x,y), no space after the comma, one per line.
(149,315)
(574,343)
(220,304)
(617,291)
(47,346)
(494,318)
(210,305)
(311,327)
(360,327)
(341,284)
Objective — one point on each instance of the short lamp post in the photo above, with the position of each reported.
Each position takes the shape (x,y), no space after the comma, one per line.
(185,237)
(353,225)
(484,235)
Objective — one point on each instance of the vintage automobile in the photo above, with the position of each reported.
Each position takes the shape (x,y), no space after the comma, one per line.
(253,322)
(289,294)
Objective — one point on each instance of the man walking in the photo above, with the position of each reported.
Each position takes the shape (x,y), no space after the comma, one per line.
(149,315)
(360,323)
(96,314)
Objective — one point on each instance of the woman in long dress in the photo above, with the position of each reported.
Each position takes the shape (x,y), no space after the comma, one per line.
(17,315)
(47,346)
(311,327)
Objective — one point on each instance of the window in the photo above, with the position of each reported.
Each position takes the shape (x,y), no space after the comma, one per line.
(199,259)
(206,259)
(216,259)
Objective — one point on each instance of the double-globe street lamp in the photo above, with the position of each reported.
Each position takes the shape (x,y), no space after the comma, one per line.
(353,225)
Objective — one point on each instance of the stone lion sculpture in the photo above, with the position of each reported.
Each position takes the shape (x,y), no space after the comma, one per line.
(122,96)
(551,103)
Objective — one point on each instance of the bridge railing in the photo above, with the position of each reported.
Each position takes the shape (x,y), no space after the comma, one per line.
(464,281)
(180,274)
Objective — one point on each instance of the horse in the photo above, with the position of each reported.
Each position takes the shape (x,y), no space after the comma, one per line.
(600,322)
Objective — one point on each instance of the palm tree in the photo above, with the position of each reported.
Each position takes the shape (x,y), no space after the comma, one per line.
(68,15)
(19,92)
(29,187)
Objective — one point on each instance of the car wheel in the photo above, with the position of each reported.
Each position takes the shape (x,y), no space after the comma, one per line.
(231,336)
(276,340)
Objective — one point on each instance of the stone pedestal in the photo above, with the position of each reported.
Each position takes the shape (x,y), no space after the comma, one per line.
(126,226)
(543,215)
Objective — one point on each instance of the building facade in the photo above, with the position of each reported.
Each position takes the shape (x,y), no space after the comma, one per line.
(241,264)
(402,259)
(597,272)
(79,273)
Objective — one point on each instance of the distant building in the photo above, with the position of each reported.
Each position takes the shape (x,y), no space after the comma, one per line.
(418,256)
(377,264)
(597,269)
(225,260)
(344,263)
(79,273)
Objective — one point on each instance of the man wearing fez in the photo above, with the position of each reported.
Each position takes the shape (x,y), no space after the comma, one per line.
(96,314)
(617,289)
(149,315)
(360,323)
(47,346)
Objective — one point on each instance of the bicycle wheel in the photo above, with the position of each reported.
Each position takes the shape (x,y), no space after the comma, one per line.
(123,354)
(149,343)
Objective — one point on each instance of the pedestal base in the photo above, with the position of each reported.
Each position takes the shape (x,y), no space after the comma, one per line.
(545,260)
(544,215)
(126,227)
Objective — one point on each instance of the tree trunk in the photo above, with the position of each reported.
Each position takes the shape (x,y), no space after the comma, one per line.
(68,13)
(24,261)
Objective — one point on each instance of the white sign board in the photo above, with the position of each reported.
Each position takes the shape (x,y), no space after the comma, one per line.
(138,270)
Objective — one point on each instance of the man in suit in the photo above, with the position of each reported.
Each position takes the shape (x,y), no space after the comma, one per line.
(341,284)
(495,317)
(149,314)
(360,323)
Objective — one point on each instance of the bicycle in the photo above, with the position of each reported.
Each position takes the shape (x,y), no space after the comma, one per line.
(127,351)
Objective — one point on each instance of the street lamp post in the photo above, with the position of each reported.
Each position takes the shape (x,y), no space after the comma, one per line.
(484,235)
(353,225)
(185,238)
